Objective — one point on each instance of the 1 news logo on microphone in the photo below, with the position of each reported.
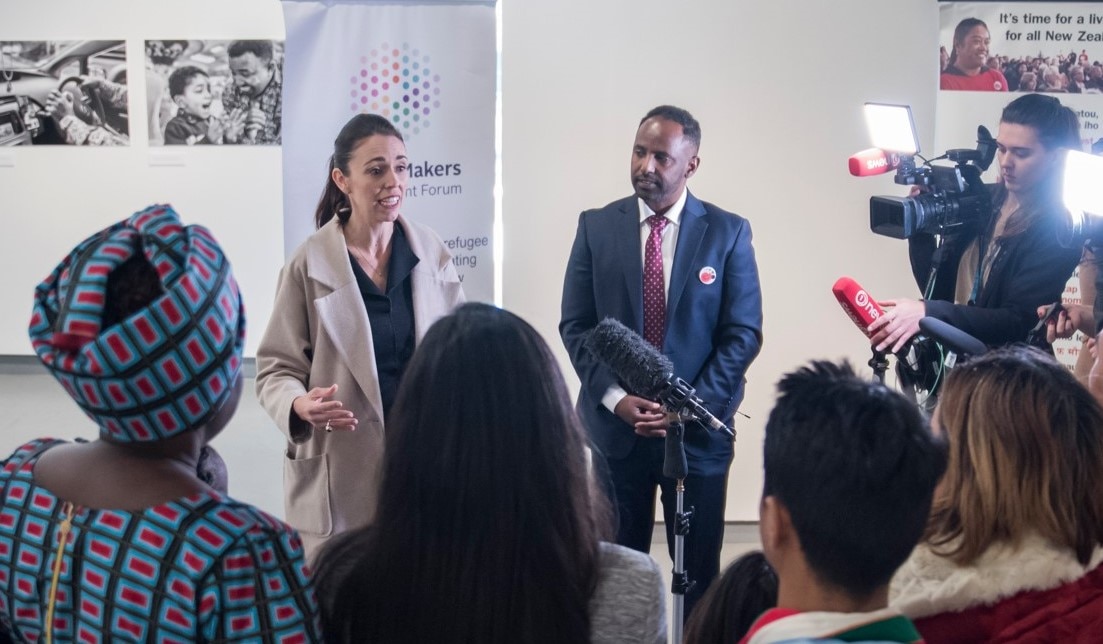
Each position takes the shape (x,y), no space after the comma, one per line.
(857,303)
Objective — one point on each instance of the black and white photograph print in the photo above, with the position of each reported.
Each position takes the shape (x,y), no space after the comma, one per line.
(214,92)
(63,92)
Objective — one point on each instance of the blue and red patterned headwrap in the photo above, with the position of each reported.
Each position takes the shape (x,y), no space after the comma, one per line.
(166,368)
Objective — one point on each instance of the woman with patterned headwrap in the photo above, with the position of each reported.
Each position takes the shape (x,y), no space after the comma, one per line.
(143,326)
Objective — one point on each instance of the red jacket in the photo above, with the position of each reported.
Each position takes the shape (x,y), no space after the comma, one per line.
(1072,612)
(1033,594)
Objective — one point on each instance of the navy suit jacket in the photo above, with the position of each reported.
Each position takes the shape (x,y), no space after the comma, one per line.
(713,331)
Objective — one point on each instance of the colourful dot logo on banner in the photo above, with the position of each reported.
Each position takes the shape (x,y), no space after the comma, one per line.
(398,83)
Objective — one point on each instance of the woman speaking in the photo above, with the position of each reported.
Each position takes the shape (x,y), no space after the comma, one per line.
(350,305)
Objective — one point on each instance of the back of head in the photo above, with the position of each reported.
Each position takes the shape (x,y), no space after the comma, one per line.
(143,325)
(746,589)
(485,499)
(485,389)
(333,201)
(1026,457)
(855,465)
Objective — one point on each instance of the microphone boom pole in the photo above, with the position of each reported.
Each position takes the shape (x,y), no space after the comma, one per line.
(647,372)
(675,467)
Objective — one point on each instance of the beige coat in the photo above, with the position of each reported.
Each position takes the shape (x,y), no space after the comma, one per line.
(319,335)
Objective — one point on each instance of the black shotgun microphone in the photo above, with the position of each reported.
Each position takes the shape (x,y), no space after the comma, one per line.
(647,372)
(951,337)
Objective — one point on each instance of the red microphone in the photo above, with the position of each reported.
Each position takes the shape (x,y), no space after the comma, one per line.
(873,161)
(857,303)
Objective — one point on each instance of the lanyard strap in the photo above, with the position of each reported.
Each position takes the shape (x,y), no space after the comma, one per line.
(991,251)
(977,278)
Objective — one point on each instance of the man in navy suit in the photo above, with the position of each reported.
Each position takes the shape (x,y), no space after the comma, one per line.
(704,311)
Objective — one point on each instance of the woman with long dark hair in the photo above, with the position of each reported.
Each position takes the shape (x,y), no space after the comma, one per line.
(489,526)
(351,303)
(997,270)
(734,600)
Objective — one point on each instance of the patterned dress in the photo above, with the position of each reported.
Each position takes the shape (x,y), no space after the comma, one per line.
(200,568)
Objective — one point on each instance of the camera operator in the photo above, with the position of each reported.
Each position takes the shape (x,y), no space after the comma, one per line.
(996,272)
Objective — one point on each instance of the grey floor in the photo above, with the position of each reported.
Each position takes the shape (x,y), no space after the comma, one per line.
(36,406)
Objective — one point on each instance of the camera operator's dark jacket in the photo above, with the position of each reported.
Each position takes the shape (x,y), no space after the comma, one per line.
(1030,270)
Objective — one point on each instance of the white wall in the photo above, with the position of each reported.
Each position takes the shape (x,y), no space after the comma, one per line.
(54,196)
(777,86)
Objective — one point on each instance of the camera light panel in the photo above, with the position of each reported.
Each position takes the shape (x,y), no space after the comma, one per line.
(891,128)
(1083,183)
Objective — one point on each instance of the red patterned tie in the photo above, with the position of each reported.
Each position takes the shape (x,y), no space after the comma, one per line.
(654,291)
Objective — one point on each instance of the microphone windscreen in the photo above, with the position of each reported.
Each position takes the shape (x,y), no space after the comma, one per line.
(951,337)
(641,367)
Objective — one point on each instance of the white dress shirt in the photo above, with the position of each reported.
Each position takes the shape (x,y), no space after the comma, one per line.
(669,241)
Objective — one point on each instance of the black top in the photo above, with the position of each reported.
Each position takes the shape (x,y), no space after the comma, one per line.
(1030,271)
(186,129)
(391,316)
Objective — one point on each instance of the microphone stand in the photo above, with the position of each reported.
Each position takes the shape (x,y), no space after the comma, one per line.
(675,467)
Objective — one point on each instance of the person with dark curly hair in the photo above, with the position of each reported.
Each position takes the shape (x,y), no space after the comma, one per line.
(850,468)
(256,94)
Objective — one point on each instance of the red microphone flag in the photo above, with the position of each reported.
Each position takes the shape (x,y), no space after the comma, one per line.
(857,303)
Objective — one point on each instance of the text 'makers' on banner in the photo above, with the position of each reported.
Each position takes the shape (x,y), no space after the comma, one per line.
(428,68)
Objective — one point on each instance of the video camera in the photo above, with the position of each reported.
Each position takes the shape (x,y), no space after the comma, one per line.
(953,196)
